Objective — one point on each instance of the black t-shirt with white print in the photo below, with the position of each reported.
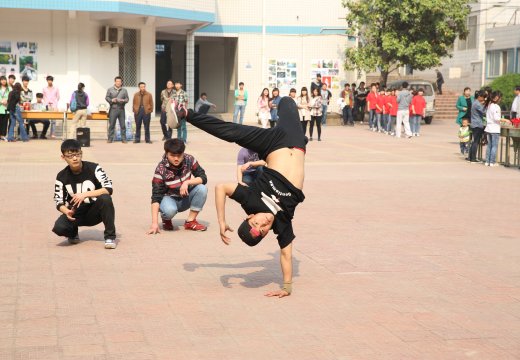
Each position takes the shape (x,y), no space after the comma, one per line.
(91,177)
(272,192)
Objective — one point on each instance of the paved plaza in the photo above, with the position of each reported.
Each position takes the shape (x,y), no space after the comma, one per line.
(402,251)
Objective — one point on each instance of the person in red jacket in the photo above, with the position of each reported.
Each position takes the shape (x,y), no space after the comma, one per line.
(391,103)
(418,107)
(385,118)
(371,107)
(380,104)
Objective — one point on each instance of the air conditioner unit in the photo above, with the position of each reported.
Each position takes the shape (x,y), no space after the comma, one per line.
(112,36)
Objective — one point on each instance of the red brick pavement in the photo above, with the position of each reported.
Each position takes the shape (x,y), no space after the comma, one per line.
(403,251)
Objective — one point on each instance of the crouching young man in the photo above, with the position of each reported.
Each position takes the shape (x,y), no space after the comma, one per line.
(270,201)
(82,193)
(179,184)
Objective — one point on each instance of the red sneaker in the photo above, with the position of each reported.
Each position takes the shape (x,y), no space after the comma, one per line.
(167,225)
(194,225)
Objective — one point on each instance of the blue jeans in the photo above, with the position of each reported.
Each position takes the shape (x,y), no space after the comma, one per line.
(371,118)
(378,121)
(324,116)
(16,116)
(194,201)
(390,123)
(491,151)
(182,131)
(347,116)
(415,123)
(464,148)
(242,110)
(250,177)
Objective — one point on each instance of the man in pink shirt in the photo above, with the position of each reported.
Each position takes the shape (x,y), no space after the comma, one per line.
(51,97)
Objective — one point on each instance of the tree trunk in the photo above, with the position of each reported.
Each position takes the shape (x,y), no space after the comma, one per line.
(383,78)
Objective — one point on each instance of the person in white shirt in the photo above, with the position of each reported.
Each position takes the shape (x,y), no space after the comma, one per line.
(493,116)
(515,107)
(203,105)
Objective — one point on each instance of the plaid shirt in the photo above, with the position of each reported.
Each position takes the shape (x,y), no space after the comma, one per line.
(180,97)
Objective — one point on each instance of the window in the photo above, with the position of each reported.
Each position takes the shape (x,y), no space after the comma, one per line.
(471,40)
(500,62)
(128,58)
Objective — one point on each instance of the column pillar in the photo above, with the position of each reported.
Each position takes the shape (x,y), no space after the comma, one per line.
(190,68)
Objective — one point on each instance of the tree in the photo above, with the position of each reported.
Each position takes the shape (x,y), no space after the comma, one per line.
(393,33)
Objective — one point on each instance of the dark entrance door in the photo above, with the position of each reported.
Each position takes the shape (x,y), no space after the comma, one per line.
(163,69)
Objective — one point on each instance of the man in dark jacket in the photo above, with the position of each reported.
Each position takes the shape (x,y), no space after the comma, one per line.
(179,184)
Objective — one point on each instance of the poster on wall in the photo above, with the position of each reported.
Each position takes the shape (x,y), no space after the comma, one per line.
(329,71)
(19,58)
(282,74)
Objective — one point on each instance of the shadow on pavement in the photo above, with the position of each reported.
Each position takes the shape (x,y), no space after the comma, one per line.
(255,279)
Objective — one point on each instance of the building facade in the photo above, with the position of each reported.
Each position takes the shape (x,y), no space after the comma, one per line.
(209,45)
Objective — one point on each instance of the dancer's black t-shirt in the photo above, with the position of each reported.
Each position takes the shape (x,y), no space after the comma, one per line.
(272,192)
(91,177)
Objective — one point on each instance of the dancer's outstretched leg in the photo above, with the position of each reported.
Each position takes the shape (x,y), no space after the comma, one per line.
(288,133)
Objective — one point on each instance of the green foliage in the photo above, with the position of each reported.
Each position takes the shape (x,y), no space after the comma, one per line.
(506,84)
(393,33)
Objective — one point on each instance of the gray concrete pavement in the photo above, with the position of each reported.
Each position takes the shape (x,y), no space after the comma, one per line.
(403,251)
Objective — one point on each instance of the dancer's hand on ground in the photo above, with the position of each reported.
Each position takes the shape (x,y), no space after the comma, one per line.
(223,228)
(278,293)
(184,189)
(154,229)
(77,199)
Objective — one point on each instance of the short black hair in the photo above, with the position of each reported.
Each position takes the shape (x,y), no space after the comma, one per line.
(174,146)
(203,94)
(141,82)
(12,77)
(70,145)
(244,232)
(517,88)
(318,75)
(118,77)
(81,86)
(405,85)
(25,78)
(240,83)
(49,77)
(39,95)
(420,90)
(293,90)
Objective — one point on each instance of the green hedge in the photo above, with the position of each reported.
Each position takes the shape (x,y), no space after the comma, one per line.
(506,84)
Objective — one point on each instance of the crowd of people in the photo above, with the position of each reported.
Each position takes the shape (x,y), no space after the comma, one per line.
(479,117)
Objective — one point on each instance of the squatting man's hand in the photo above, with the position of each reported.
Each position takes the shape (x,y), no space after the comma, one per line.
(77,199)
(223,228)
(245,166)
(70,214)
(184,189)
(154,229)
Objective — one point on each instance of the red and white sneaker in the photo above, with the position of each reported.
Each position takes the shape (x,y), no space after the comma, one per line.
(194,225)
(167,225)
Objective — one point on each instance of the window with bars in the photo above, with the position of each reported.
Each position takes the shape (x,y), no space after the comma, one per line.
(500,62)
(128,58)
